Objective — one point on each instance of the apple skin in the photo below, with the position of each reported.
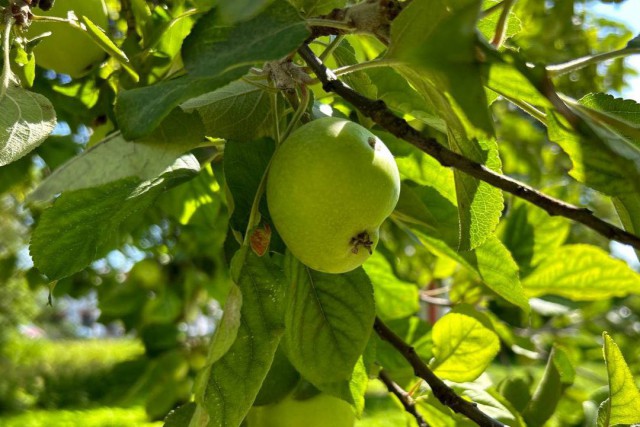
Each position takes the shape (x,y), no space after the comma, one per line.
(322,410)
(69,50)
(330,186)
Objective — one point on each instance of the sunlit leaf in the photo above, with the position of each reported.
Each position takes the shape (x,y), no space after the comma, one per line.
(624,398)
(581,273)
(463,345)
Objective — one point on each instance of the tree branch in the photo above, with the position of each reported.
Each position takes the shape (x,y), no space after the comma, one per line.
(379,113)
(404,397)
(441,391)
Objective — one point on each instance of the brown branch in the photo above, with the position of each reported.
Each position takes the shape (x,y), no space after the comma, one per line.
(379,113)
(404,397)
(441,391)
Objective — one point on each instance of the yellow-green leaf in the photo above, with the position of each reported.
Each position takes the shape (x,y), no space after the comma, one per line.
(463,345)
(624,397)
(582,273)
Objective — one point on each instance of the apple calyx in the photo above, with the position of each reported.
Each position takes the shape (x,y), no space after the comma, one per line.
(362,239)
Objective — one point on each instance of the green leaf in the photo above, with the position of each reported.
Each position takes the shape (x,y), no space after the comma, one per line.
(212,49)
(490,402)
(241,10)
(181,416)
(415,332)
(281,380)
(114,158)
(479,204)
(328,321)
(215,56)
(239,111)
(102,40)
(464,344)
(582,273)
(317,7)
(491,262)
(344,54)
(227,329)
(487,25)
(244,165)
(226,389)
(438,41)
(503,73)
(628,208)
(139,111)
(558,375)
(602,160)
(627,111)
(27,119)
(353,390)
(84,224)
(624,397)
(394,298)
(531,234)
(399,95)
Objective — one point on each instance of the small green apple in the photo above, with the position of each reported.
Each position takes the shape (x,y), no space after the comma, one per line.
(322,410)
(69,50)
(330,186)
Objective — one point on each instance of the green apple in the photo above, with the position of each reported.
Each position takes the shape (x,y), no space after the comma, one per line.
(69,50)
(322,410)
(330,186)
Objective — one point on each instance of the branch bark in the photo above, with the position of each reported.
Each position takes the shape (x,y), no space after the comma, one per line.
(379,113)
(441,391)
(407,401)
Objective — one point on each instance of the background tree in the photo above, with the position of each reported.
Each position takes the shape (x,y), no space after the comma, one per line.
(135,146)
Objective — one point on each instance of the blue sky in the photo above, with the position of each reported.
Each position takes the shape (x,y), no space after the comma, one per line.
(629,13)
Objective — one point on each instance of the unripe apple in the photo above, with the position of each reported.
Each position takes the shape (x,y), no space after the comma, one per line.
(69,50)
(322,410)
(331,185)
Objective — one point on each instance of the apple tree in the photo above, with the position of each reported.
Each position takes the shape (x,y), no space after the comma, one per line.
(453,232)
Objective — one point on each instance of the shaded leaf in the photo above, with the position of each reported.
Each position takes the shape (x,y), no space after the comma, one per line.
(212,49)
(27,119)
(244,165)
(317,7)
(84,224)
(226,389)
(558,375)
(328,321)
(115,158)
(239,110)
(438,39)
(215,56)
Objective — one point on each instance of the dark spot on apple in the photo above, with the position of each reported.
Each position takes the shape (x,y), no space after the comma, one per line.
(372,142)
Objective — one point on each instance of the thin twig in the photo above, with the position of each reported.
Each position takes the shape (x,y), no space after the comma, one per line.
(556,70)
(379,113)
(5,80)
(441,391)
(404,397)
(501,26)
